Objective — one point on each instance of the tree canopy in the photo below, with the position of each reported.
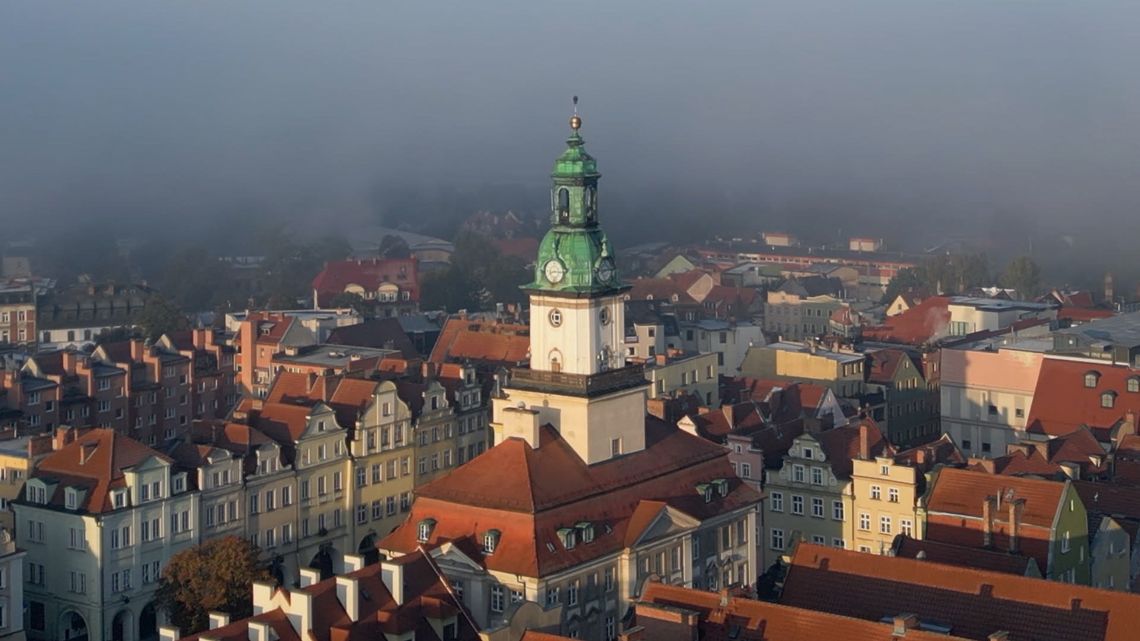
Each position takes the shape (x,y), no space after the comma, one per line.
(1023,275)
(214,576)
(942,274)
(478,277)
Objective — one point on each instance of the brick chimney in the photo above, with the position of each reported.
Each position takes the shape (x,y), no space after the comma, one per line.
(904,622)
(864,442)
(1016,507)
(137,349)
(988,507)
(198,337)
(69,360)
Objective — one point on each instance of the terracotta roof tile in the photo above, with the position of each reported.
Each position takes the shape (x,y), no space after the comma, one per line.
(973,603)
(842,445)
(528,494)
(964,492)
(369,274)
(918,325)
(964,556)
(1062,403)
(489,343)
(96,460)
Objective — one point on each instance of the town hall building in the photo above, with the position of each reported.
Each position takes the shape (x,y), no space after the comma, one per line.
(584,497)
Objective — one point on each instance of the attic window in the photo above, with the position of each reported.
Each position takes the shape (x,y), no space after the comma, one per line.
(1108,399)
(37,493)
(490,541)
(568,537)
(587,530)
(424,530)
(1134,384)
(705,490)
(71,498)
(1091,378)
(721,486)
(120,499)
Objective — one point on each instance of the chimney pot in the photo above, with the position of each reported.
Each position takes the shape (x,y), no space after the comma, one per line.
(904,622)
(988,520)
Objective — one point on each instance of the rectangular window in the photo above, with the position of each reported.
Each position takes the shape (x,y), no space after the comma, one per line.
(496,598)
(884,525)
(816,476)
(390,505)
(797,504)
(776,501)
(377,473)
(865,521)
(906,527)
(777,536)
(893,495)
(817,507)
(286,496)
(876,493)
(837,510)
(798,473)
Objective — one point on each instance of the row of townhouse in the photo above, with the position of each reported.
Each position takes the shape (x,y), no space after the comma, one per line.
(146,391)
(324,467)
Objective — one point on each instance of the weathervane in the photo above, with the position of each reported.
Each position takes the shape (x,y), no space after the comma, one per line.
(575,121)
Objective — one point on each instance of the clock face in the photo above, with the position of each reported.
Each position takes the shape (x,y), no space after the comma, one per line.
(606,270)
(554,271)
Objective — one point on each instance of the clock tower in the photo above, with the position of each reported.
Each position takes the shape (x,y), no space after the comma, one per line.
(578,380)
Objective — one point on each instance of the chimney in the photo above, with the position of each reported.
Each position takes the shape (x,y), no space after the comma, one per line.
(258,631)
(137,349)
(218,619)
(661,359)
(1109,289)
(904,622)
(348,593)
(309,576)
(988,520)
(1016,506)
(69,360)
(920,456)
(636,633)
(352,563)
(1128,425)
(393,576)
(864,442)
(169,633)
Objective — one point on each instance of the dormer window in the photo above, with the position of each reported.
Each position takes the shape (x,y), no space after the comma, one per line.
(490,541)
(1108,399)
(721,487)
(808,453)
(705,490)
(70,498)
(568,536)
(37,493)
(1091,378)
(425,529)
(119,498)
(587,531)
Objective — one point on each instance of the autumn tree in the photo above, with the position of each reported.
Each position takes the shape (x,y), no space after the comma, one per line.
(214,576)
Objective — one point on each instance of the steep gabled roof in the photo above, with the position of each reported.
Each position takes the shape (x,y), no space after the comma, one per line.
(918,325)
(488,343)
(964,492)
(883,365)
(529,494)
(95,461)
(1062,402)
(368,274)
(842,445)
(963,556)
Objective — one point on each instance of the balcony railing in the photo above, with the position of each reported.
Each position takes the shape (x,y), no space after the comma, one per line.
(579,384)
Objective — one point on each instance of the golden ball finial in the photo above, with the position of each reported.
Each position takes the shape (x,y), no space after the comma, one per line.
(575,121)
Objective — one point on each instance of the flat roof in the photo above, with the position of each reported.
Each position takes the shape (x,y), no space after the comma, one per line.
(842,357)
(334,355)
(1122,328)
(1000,304)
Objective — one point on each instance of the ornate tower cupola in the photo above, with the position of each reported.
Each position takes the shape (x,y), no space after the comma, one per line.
(578,381)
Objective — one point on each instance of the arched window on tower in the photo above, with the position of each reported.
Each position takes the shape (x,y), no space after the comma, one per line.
(563,204)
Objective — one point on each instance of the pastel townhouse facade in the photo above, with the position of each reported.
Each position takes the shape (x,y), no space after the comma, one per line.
(98,519)
(11,588)
(986,397)
(728,340)
(677,373)
(810,498)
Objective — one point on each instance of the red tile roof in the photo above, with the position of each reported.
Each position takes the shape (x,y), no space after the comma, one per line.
(918,325)
(973,603)
(663,289)
(963,556)
(1062,403)
(963,492)
(369,274)
(1083,315)
(842,445)
(724,617)
(529,493)
(95,461)
(489,343)
(1050,458)
(883,365)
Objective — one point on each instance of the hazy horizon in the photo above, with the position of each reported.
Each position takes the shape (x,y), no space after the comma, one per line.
(878,115)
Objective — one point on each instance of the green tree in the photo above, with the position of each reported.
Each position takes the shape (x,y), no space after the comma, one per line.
(160,316)
(1023,275)
(214,576)
(449,289)
(355,301)
(906,280)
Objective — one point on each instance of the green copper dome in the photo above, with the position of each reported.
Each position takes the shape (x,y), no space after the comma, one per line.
(575,257)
